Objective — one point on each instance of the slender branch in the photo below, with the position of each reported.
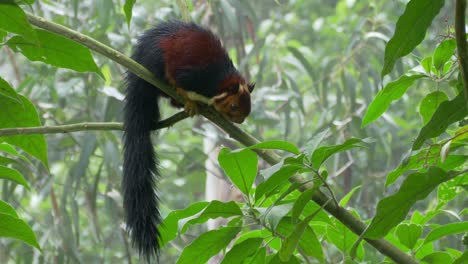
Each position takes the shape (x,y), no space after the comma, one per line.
(85,127)
(460,36)
(232,130)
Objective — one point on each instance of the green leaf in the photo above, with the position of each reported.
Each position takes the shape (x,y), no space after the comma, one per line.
(391,92)
(447,113)
(55,50)
(241,251)
(438,258)
(301,202)
(345,199)
(275,214)
(169,227)
(443,53)
(258,258)
(13,175)
(128,7)
(277,144)
(6,208)
(308,241)
(430,103)
(422,158)
(23,115)
(214,210)
(343,238)
(321,154)
(16,228)
(207,245)
(312,144)
(7,91)
(449,229)
(240,167)
(276,175)
(14,20)
(410,30)
(426,63)
(462,259)
(7,148)
(392,209)
(408,234)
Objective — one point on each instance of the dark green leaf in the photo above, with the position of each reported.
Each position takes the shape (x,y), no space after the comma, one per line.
(241,251)
(13,227)
(8,92)
(23,115)
(128,7)
(55,50)
(214,210)
(170,225)
(449,229)
(14,20)
(13,175)
(443,53)
(6,208)
(240,167)
(321,154)
(207,245)
(391,92)
(447,113)
(393,209)
(410,30)
(430,103)
(343,238)
(277,144)
(408,234)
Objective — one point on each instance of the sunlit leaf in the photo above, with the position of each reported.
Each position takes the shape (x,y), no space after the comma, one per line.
(14,20)
(240,167)
(7,91)
(410,30)
(445,230)
(446,114)
(391,92)
(443,53)
(345,199)
(430,103)
(214,210)
(241,251)
(408,234)
(16,228)
(393,209)
(438,258)
(23,115)
(55,50)
(128,7)
(6,208)
(207,245)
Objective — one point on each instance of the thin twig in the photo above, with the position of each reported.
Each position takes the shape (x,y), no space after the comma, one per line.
(84,127)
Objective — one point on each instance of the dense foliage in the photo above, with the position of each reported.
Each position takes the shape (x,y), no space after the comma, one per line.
(361,107)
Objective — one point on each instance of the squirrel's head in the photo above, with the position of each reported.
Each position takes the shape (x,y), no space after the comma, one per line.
(233,100)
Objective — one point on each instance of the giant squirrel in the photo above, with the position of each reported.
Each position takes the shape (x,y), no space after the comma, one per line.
(191,59)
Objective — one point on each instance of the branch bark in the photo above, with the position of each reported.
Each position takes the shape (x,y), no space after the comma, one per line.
(232,130)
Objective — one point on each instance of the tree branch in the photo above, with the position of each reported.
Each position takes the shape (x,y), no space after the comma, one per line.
(85,127)
(232,130)
(460,37)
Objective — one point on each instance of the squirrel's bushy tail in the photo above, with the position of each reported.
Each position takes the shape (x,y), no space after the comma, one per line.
(140,166)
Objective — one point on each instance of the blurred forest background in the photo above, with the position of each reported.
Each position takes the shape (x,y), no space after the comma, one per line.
(316,65)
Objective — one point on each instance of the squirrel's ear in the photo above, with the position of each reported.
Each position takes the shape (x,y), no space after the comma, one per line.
(251,86)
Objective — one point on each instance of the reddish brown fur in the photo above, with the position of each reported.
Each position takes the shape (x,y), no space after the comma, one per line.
(236,105)
(198,48)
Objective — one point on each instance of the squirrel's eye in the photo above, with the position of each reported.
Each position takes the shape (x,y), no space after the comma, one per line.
(234,107)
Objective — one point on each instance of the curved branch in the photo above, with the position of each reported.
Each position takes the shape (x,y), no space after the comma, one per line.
(460,37)
(232,130)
